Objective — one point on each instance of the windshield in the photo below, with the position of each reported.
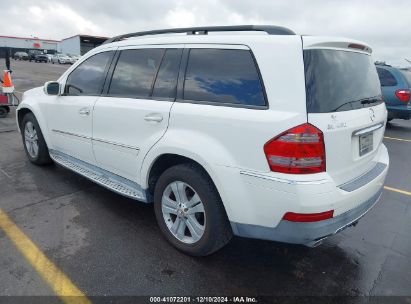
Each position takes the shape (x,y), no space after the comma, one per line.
(340,81)
(407,75)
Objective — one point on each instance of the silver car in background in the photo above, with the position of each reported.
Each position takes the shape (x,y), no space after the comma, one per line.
(61,59)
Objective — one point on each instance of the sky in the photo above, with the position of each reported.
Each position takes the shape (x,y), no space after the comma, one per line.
(383,24)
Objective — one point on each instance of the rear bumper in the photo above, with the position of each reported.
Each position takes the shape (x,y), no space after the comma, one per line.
(308,234)
(400,112)
(256,202)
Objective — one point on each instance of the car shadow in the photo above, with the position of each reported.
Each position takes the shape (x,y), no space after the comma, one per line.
(396,126)
(244,266)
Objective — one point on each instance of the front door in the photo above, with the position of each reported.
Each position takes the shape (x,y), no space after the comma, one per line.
(70,115)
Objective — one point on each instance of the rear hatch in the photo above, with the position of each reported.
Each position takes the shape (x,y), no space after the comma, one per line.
(344,101)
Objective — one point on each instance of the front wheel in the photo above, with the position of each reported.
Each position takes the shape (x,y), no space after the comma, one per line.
(33,141)
(190,212)
(3,112)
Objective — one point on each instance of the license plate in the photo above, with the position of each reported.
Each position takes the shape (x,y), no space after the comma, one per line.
(366,143)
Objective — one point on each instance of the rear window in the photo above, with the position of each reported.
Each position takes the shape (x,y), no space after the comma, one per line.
(407,75)
(223,76)
(340,81)
(387,79)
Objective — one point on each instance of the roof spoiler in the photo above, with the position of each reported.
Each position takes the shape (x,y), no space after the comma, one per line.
(319,42)
(204,30)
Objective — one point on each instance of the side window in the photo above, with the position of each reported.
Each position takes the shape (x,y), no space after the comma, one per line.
(166,80)
(88,77)
(386,78)
(223,76)
(135,72)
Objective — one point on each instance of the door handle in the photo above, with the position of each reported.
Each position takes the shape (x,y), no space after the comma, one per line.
(153,118)
(84,111)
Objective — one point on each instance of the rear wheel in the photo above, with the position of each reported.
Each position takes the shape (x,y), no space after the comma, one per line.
(189,211)
(33,141)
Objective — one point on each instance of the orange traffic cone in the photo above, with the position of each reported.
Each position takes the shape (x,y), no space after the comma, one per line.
(8,86)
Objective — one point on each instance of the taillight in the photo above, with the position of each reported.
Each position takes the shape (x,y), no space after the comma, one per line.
(403,95)
(299,150)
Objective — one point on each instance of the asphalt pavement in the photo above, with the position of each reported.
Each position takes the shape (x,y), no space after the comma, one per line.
(108,245)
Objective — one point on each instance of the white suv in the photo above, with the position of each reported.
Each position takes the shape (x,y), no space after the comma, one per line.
(246,130)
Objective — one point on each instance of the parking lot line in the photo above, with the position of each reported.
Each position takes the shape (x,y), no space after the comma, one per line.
(397,190)
(55,278)
(399,139)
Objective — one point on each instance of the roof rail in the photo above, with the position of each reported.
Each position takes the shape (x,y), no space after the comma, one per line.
(204,30)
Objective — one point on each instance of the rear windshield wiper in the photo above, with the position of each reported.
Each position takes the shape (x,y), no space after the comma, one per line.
(371,100)
(363,101)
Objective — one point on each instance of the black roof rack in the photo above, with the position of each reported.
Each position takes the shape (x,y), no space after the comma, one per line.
(203,30)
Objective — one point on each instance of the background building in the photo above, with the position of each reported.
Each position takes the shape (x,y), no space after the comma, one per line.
(80,44)
(75,45)
(24,44)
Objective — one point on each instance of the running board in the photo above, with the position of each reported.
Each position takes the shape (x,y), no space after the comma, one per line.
(100,176)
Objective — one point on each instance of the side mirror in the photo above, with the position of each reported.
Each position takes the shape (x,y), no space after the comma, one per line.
(52,88)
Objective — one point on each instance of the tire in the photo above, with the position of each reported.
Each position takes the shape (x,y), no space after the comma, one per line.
(216,230)
(41,157)
(3,112)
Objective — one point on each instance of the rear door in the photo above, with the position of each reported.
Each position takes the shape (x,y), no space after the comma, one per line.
(133,114)
(344,101)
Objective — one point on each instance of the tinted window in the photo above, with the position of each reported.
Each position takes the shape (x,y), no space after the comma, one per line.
(166,81)
(226,76)
(386,78)
(134,73)
(407,75)
(340,81)
(88,77)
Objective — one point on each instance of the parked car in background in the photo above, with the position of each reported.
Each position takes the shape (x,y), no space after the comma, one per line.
(396,86)
(407,74)
(49,56)
(74,58)
(209,128)
(21,56)
(61,59)
(41,58)
(33,54)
